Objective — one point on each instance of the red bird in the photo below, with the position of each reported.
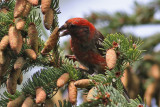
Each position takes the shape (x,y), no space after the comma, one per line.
(85,43)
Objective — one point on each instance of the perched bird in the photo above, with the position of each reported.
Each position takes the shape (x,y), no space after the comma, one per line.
(85,43)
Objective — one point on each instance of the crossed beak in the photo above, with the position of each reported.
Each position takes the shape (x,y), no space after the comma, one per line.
(64,30)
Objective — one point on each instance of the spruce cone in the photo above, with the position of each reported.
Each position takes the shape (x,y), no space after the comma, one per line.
(12,81)
(4,42)
(40,95)
(2,58)
(17,102)
(19,23)
(72,93)
(90,96)
(45,5)
(33,2)
(83,83)
(33,36)
(51,42)
(19,63)
(31,54)
(13,38)
(111,58)
(28,102)
(20,43)
(62,80)
(27,9)
(48,18)
(19,7)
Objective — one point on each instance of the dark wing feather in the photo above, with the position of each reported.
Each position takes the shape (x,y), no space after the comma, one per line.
(99,41)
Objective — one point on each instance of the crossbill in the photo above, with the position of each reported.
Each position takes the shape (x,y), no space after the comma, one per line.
(86,42)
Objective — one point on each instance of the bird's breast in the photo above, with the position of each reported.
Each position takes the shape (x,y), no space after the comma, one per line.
(80,48)
(86,54)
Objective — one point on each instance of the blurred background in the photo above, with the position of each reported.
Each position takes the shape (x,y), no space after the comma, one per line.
(137,18)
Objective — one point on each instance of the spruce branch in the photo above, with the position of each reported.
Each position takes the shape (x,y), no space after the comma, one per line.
(6,97)
(127,50)
(108,96)
(63,104)
(108,88)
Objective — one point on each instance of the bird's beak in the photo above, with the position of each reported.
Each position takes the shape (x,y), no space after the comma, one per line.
(64,30)
(64,27)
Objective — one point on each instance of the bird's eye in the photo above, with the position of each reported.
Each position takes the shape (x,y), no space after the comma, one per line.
(72,26)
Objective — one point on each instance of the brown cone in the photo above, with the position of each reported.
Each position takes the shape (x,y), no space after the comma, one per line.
(45,5)
(19,7)
(48,18)
(72,93)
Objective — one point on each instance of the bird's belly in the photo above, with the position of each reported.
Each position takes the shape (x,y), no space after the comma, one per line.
(88,56)
(92,60)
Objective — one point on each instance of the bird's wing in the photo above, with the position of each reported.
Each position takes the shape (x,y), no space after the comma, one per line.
(99,41)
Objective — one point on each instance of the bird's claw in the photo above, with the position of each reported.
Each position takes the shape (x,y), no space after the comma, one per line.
(71,57)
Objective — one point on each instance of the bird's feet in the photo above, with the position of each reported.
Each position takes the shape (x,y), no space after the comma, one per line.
(71,57)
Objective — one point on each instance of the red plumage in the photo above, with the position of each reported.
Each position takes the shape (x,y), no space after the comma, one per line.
(85,43)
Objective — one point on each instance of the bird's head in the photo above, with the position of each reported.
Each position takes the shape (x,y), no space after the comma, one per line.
(77,27)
